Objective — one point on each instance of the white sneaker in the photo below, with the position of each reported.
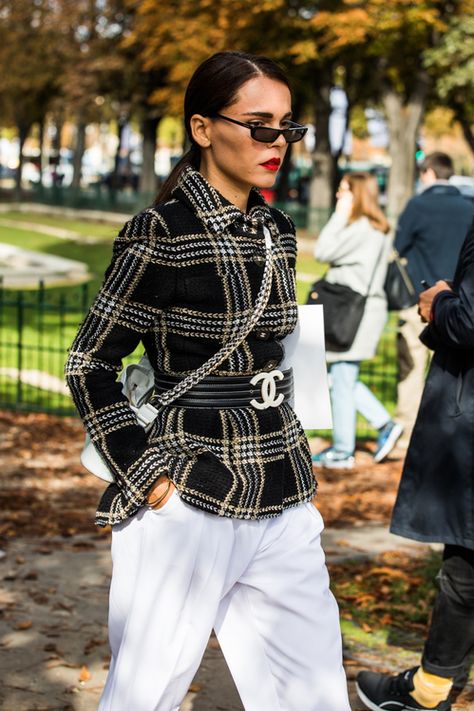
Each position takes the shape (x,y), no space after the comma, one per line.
(331,458)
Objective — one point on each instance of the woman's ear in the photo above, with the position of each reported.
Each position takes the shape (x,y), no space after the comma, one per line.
(201,130)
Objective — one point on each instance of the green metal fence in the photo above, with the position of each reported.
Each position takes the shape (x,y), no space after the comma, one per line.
(38,326)
(96,197)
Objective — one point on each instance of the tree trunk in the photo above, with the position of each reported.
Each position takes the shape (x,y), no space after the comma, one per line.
(403,118)
(321,188)
(56,151)
(336,176)
(148,176)
(78,154)
(467,132)
(119,169)
(23,130)
(465,122)
(56,141)
(41,150)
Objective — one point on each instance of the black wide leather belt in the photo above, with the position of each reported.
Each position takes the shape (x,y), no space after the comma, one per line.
(261,391)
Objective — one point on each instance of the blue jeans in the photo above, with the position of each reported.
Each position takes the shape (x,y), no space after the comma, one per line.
(349,396)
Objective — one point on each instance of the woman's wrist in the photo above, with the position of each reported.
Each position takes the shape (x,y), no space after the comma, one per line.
(159,491)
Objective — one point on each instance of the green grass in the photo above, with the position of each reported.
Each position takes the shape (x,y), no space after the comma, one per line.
(83,227)
(308,265)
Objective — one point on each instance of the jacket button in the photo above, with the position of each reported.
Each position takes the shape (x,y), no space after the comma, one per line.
(270,365)
(259,260)
(262,335)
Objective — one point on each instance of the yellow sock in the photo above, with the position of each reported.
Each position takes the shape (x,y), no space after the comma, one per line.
(430,689)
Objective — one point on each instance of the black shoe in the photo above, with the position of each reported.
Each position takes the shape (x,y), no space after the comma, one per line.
(381,692)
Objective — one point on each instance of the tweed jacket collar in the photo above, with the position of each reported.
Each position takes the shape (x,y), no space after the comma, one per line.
(213,209)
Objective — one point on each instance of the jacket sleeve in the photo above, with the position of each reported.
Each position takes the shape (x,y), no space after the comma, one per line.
(332,243)
(453,311)
(405,232)
(134,291)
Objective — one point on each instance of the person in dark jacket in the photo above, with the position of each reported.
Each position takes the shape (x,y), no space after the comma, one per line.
(213,524)
(435,501)
(429,236)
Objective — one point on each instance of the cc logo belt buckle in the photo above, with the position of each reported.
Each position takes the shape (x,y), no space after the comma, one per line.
(267,389)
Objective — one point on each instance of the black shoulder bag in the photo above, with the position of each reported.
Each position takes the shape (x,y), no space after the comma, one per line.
(399,289)
(343,310)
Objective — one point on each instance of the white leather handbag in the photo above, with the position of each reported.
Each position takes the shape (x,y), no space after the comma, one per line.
(137,385)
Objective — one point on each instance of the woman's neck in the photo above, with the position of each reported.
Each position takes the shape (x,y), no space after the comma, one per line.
(236,194)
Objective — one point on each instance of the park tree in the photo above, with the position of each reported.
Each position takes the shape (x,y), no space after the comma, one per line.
(145,81)
(176,37)
(81,71)
(31,51)
(452,64)
(173,39)
(394,36)
(97,79)
(319,41)
(108,80)
(85,79)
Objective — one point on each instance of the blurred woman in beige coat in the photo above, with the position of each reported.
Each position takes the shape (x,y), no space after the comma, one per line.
(355,244)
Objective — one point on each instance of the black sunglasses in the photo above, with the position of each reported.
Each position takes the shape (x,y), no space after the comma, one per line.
(264,134)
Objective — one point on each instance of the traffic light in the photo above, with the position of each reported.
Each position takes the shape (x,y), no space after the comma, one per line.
(419,152)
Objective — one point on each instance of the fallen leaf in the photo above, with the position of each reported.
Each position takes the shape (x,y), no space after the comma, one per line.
(25,625)
(391,572)
(84,674)
(195,688)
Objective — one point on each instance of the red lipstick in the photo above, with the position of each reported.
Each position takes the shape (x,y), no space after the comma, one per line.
(272,164)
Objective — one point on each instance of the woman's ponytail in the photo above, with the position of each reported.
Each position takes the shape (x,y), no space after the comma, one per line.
(191,158)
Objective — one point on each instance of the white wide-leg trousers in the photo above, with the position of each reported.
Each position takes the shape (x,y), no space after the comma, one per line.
(262,585)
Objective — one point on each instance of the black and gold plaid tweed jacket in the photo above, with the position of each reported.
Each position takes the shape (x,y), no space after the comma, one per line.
(181,274)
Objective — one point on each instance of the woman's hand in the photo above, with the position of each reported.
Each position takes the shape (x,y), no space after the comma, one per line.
(344,203)
(425,300)
(161,492)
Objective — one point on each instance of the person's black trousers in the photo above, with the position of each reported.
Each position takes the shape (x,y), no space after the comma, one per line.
(451,633)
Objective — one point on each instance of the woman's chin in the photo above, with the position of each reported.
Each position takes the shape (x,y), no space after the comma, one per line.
(265,181)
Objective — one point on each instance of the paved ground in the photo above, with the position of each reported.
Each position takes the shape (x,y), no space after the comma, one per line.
(53,638)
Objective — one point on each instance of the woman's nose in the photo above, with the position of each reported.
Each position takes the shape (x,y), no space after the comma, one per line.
(280,141)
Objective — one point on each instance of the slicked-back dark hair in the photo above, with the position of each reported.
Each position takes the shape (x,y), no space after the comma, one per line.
(214,86)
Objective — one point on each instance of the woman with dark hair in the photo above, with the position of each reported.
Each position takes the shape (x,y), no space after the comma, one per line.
(355,245)
(213,523)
